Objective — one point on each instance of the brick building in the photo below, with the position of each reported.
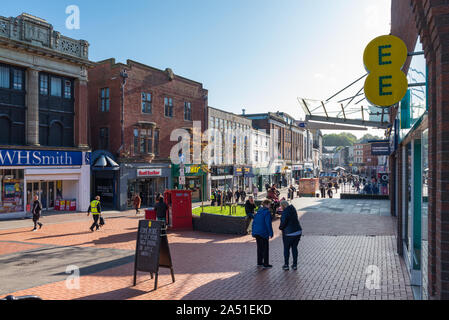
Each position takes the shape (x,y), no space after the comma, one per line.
(419,179)
(134,126)
(44,148)
(289,148)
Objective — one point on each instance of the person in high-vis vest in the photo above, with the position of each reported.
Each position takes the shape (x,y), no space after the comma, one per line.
(95,209)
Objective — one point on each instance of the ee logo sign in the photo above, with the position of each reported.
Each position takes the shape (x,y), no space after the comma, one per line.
(384,58)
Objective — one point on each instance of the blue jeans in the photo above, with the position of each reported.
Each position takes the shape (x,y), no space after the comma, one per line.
(291,243)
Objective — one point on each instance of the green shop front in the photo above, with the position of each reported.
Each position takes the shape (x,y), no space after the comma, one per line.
(410,142)
(195,179)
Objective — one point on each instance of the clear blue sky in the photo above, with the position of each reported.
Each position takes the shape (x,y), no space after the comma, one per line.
(257,54)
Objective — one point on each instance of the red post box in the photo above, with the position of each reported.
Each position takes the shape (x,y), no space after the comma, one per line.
(179,203)
(150,214)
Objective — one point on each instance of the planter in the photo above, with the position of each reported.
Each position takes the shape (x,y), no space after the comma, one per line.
(215,223)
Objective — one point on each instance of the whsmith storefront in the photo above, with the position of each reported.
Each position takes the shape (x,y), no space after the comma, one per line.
(51,174)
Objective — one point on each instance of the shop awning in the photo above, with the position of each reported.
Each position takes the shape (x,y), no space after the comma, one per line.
(105,163)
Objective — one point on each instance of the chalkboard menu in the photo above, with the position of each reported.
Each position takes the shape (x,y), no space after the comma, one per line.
(152,249)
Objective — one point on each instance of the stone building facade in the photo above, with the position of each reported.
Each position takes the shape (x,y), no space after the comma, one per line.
(43,116)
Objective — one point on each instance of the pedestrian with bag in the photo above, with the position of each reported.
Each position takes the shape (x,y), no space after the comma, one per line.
(291,234)
(95,209)
(137,202)
(262,230)
(36,211)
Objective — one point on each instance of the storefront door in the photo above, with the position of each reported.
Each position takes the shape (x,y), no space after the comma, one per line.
(46,192)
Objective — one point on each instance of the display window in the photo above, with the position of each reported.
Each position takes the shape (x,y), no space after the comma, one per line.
(11,190)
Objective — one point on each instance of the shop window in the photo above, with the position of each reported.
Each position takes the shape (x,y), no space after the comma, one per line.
(11,191)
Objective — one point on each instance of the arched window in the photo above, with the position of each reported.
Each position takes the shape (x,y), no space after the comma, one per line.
(56,134)
(5,130)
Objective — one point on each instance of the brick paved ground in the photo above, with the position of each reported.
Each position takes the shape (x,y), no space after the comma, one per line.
(335,251)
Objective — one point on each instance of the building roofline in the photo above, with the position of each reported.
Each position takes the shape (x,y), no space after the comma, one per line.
(131,63)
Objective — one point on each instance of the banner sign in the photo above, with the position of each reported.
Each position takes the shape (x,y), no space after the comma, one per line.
(9,157)
(380,148)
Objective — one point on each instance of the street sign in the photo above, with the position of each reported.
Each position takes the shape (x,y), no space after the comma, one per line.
(152,249)
(386,83)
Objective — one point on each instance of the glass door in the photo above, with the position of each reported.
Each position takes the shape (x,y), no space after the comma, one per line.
(44,195)
(51,195)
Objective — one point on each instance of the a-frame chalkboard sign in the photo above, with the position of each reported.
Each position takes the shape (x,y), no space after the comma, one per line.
(152,249)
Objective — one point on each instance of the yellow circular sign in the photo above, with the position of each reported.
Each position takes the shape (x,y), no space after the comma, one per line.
(384,58)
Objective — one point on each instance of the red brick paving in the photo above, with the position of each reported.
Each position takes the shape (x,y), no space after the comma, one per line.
(209,266)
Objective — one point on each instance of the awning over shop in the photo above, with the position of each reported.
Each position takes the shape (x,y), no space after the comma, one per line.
(103,161)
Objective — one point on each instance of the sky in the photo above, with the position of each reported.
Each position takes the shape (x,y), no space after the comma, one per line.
(260,55)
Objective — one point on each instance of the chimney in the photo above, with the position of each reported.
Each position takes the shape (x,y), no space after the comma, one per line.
(243,111)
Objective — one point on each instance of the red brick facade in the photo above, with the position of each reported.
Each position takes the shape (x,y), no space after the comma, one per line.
(141,78)
(428,19)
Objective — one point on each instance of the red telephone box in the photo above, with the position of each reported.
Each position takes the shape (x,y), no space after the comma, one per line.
(179,203)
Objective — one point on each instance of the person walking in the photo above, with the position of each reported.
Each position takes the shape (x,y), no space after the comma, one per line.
(336,186)
(250,208)
(291,233)
(323,190)
(255,191)
(242,196)
(329,192)
(95,209)
(262,230)
(137,202)
(161,210)
(36,211)
(237,196)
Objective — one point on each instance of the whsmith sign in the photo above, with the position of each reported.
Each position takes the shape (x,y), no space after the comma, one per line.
(40,158)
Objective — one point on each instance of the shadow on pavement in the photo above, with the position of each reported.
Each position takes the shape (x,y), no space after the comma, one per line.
(120,294)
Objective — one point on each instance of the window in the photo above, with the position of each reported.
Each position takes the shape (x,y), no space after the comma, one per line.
(168,106)
(67,89)
(257,156)
(43,84)
(104,139)
(136,140)
(56,87)
(156,142)
(187,111)
(211,122)
(143,141)
(4,77)
(146,103)
(17,82)
(105,103)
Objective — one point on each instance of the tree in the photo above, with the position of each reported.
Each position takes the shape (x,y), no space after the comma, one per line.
(343,139)
(368,137)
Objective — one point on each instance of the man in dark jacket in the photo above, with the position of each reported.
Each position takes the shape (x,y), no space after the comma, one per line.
(250,207)
(161,210)
(291,233)
(36,211)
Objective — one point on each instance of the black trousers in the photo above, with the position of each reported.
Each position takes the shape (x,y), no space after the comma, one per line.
(96,219)
(36,218)
(291,243)
(262,251)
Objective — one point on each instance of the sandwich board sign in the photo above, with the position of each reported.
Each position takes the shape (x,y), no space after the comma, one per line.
(152,251)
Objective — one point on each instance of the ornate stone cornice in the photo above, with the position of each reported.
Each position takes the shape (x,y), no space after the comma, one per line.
(37,35)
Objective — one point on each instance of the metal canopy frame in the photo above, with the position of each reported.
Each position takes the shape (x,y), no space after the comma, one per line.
(330,107)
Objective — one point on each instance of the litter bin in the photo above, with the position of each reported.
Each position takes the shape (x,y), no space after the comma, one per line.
(150,214)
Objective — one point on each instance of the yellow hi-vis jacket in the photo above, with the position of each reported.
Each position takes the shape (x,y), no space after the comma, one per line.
(93,207)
